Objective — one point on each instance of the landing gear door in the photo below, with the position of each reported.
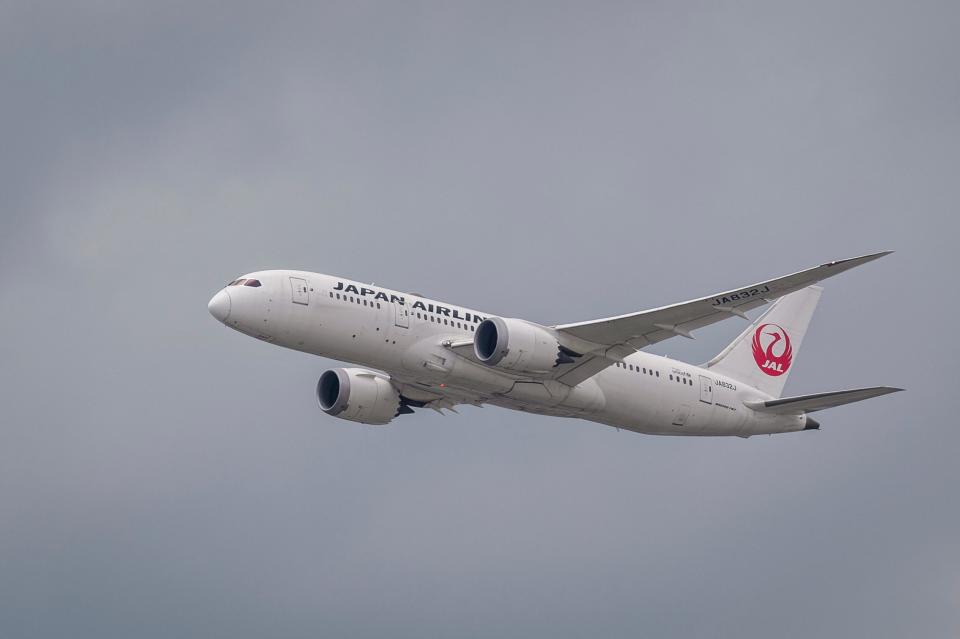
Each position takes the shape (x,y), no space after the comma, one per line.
(300,292)
(706,389)
(402,315)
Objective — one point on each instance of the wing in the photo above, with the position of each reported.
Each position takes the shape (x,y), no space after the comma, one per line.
(438,397)
(618,336)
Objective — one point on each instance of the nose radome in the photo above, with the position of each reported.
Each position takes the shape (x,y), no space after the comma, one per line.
(219,305)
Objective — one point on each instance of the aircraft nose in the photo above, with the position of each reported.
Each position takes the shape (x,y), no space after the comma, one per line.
(219,305)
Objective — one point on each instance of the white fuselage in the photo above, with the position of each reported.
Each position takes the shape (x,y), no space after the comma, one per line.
(409,337)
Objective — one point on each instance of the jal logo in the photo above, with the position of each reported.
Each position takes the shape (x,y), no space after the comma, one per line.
(772,350)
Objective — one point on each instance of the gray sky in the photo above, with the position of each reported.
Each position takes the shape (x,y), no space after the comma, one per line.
(162,476)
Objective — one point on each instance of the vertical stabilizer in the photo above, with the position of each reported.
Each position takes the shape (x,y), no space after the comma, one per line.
(764,354)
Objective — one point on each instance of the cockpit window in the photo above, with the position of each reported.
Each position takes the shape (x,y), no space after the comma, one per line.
(245,282)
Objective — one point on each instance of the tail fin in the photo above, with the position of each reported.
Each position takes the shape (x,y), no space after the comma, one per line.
(763,355)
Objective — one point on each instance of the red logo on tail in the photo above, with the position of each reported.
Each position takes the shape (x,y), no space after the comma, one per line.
(777,340)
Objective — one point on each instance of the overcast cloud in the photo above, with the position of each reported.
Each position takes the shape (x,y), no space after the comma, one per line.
(162,476)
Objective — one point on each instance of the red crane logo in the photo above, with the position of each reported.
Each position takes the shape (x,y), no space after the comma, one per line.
(768,359)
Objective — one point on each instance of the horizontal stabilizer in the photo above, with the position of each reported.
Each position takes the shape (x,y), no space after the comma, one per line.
(819,401)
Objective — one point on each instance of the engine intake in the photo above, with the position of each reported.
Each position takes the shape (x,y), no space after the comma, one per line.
(517,345)
(358,395)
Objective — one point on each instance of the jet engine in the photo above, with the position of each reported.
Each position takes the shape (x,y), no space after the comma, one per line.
(358,395)
(517,345)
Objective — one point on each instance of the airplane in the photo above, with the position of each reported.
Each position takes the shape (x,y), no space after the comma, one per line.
(410,352)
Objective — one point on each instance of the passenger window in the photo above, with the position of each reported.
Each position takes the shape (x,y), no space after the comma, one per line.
(378,304)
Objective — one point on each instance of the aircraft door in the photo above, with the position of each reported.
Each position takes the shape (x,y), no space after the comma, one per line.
(300,291)
(680,415)
(706,389)
(401,315)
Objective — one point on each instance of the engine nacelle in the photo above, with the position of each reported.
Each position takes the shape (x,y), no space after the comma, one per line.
(358,395)
(517,345)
